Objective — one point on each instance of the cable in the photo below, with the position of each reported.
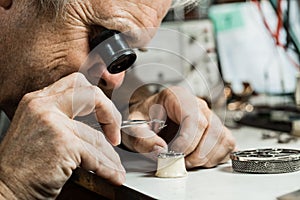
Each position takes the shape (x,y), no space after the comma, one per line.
(276,35)
(288,36)
(279,22)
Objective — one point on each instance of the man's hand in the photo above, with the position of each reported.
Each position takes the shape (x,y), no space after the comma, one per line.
(44,143)
(200,134)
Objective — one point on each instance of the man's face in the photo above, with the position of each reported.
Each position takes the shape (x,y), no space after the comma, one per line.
(37,50)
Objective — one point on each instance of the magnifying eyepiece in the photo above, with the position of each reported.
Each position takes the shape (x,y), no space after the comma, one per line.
(114,50)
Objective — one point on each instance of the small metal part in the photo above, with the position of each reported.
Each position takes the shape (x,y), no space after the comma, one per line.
(136,122)
(114,51)
(282,137)
(171,154)
(285,138)
(270,135)
(131,123)
(170,165)
(266,161)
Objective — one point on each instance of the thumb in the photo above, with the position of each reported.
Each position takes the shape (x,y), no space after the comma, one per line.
(144,141)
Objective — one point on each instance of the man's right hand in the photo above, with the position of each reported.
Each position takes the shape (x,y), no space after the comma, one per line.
(44,143)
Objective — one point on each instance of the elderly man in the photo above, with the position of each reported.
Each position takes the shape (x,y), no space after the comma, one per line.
(43,45)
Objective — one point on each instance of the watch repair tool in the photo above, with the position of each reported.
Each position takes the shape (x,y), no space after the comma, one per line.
(129,123)
(137,122)
(170,165)
(266,161)
(114,50)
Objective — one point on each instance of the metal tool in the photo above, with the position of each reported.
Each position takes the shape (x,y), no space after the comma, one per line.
(266,161)
(114,50)
(133,123)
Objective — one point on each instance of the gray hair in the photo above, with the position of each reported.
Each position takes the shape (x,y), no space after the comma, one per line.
(54,7)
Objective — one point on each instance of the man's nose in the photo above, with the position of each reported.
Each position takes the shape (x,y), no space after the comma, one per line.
(111,81)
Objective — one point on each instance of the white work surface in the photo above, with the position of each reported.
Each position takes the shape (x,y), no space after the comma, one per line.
(221,182)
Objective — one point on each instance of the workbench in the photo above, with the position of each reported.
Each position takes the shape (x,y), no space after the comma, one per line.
(220,182)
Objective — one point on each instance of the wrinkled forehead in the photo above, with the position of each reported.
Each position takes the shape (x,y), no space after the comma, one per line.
(57,6)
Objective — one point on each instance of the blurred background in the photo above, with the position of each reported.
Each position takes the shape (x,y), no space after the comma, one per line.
(242,56)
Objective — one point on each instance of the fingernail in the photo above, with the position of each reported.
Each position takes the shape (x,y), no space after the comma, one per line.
(156,150)
(119,140)
(159,149)
(116,141)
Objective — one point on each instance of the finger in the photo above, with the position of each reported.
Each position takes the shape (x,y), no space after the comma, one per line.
(192,129)
(93,137)
(97,161)
(84,100)
(191,114)
(97,154)
(213,149)
(227,158)
(144,140)
(157,112)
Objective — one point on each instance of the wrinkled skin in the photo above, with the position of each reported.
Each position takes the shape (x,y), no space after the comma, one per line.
(37,51)
(39,56)
(44,144)
(201,135)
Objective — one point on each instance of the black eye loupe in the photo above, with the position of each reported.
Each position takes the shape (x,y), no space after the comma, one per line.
(114,50)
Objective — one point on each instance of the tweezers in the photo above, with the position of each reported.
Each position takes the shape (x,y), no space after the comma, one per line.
(137,122)
(132,123)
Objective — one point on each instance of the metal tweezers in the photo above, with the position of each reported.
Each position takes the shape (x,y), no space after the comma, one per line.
(132,123)
(136,122)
